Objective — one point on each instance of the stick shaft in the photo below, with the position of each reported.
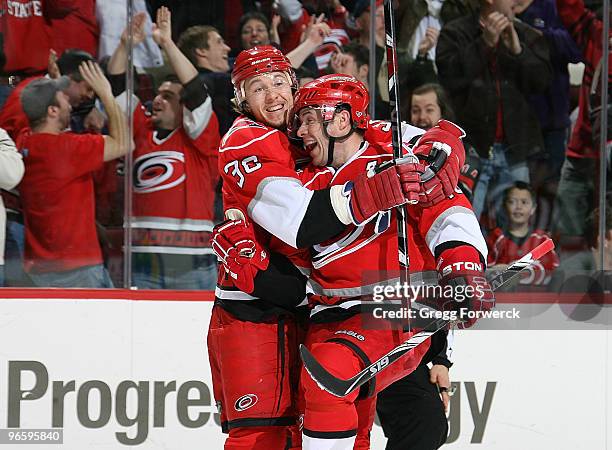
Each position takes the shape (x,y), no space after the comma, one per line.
(396,139)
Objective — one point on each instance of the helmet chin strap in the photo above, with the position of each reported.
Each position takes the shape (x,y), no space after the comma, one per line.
(330,150)
(332,142)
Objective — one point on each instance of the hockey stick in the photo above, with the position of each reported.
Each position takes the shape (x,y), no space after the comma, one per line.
(396,139)
(441,153)
(340,387)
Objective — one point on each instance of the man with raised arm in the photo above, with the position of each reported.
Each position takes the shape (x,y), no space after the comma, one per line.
(175,172)
(57,190)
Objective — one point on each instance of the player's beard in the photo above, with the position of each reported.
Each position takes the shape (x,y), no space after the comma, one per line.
(280,124)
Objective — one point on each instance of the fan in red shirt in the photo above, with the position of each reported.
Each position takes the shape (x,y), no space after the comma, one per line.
(79,29)
(14,121)
(519,238)
(61,245)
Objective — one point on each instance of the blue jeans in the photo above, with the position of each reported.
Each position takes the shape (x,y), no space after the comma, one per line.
(577,196)
(166,271)
(84,277)
(2,276)
(5,91)
(496,175)
(13,254)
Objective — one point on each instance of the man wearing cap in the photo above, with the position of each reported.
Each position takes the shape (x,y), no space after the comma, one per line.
(14,121)
(61,244)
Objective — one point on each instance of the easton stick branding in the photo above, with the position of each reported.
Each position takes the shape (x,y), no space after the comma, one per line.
(341,387)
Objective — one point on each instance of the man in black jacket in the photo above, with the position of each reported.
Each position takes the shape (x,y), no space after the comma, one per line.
(489,62)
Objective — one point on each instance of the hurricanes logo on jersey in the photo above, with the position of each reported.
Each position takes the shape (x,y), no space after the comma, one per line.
(245,402)
(158,171)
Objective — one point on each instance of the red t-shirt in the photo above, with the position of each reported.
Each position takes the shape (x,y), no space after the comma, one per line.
(57,192)
(26,36)
(79,29)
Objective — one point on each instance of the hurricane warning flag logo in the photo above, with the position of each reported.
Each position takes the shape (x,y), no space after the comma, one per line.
(158,171)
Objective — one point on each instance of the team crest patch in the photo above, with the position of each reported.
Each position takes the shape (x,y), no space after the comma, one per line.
(158,171)
(245,402)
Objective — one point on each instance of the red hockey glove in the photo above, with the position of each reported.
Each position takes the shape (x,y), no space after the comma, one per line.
(369,195)
(410,178)
(236,247)
(461,268)
(442,149)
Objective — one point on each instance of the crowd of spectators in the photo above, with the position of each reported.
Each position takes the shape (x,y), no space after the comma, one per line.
(498,68)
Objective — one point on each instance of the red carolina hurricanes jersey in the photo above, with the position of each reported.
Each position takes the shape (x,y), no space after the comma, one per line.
(504,250)
(174,183)
(257,165)
(349,265)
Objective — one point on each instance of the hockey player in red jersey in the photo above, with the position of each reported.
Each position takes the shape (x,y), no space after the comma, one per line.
(337,284)
(444,233)
(257,164)
(175,173)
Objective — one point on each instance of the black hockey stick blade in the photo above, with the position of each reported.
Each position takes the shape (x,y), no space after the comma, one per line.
(340,388)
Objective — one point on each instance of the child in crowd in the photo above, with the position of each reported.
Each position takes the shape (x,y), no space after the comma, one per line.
(519,237)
